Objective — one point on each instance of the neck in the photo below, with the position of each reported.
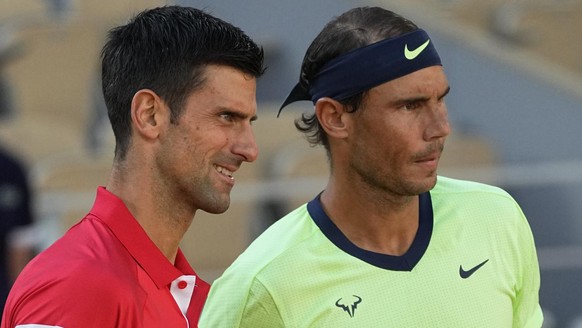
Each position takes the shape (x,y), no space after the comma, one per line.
(372,220)
(165,223)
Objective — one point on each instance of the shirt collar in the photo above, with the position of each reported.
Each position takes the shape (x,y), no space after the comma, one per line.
(112,211)
(405,262)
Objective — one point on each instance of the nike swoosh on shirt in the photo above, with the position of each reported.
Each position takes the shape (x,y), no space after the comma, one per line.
(466,274)
(411,54)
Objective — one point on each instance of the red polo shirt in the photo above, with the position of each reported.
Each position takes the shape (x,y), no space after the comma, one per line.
(106,272)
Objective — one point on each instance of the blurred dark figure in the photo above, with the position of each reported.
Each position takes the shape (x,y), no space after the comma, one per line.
(16,230)
(16,238)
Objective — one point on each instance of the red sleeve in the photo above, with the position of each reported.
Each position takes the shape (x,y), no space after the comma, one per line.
(79,300)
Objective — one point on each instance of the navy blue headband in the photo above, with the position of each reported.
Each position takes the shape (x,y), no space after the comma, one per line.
(364,68)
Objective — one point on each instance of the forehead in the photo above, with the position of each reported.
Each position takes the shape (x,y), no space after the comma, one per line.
(225,87)
(216,77)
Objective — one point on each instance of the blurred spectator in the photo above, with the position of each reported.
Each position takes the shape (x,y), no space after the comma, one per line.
(17,238)
(16,229)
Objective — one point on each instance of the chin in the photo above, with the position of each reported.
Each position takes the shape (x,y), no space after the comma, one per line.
(216,207)
(431,182)
(425,185)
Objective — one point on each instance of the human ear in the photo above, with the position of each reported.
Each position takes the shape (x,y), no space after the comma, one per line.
(147,113)
(332,117)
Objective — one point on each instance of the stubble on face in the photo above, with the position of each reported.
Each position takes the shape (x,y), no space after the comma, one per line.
(189,188)
(399,132)
(385,178)
(204,148)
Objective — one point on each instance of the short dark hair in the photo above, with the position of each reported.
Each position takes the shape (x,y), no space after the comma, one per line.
(166,49)
(353,29)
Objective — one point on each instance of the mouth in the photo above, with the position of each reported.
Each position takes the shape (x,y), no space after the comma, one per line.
(431,156)
(429,162)
(224,171)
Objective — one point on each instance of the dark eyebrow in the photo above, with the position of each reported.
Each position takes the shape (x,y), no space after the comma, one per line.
(238,114)
(404,101)
(424,99)
(420,99)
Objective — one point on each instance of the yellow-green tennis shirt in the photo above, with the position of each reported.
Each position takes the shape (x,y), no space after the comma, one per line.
(472,264)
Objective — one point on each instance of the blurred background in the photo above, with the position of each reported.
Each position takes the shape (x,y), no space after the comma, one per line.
(515,69)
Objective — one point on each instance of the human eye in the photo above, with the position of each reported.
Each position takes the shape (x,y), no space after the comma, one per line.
(411,105)
(227,116)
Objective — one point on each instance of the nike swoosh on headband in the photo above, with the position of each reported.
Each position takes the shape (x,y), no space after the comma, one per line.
(411,54)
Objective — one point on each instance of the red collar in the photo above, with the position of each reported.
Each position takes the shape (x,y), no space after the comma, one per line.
(112,212)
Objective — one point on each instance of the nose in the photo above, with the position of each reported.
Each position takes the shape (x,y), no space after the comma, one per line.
(246,145)
(438,126)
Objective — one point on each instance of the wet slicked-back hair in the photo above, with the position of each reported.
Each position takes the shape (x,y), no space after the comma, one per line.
(353,29)
(166,49)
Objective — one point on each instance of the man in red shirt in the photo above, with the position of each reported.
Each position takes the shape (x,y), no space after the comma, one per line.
(180,89)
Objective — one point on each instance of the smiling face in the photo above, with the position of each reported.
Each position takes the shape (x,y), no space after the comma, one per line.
(398,135)
(200,153)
